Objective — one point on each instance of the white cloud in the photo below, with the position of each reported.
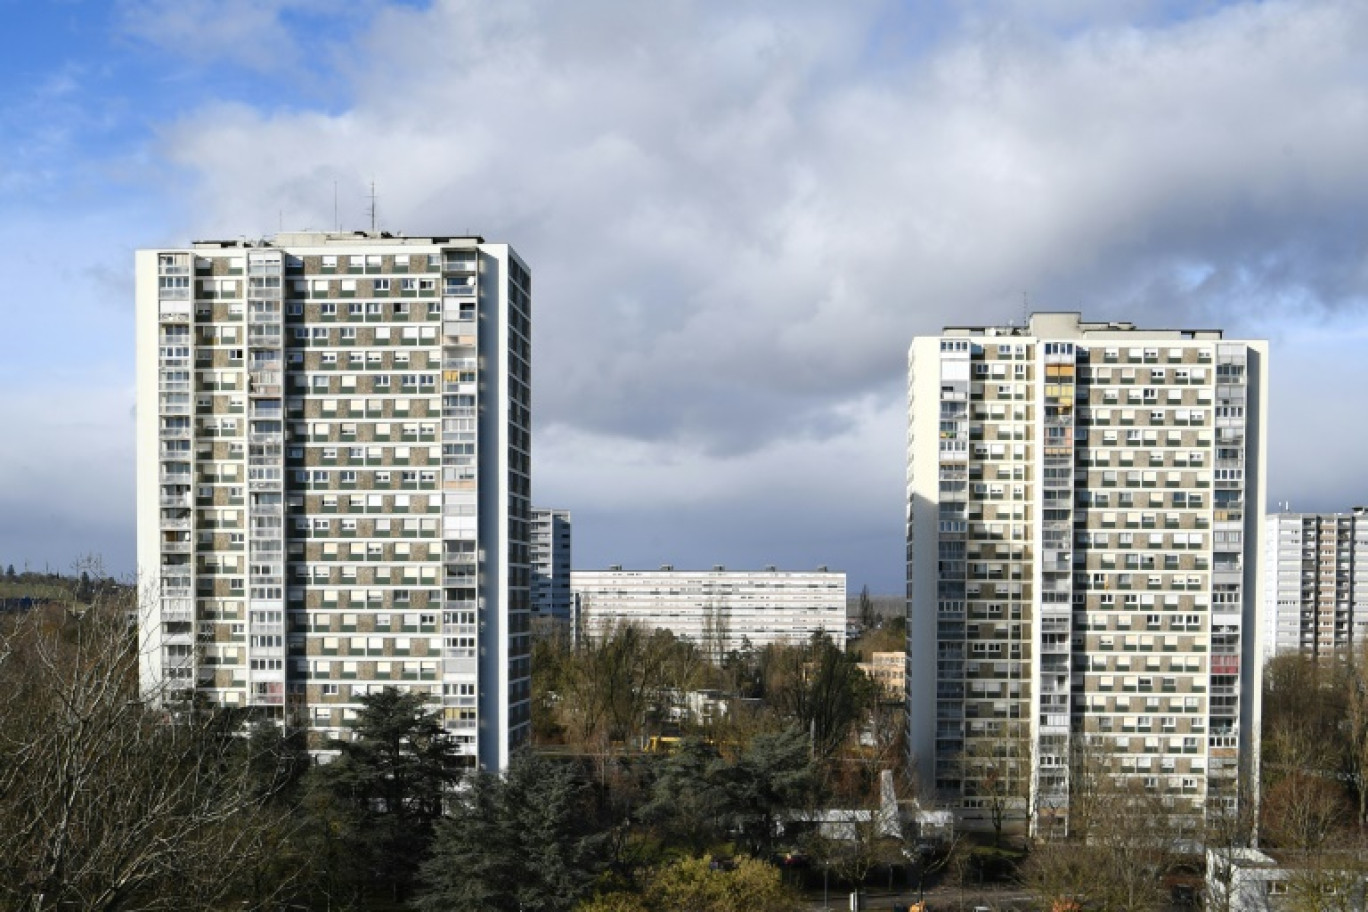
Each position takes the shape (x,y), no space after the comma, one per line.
(244,32)
(738,215)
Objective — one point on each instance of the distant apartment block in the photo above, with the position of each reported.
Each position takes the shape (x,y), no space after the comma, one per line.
(1316,590)
(550,550)
(1085,508)
(720,610)
(888,671)
(333,478)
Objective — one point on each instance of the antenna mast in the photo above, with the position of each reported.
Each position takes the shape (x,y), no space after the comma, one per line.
(372,207)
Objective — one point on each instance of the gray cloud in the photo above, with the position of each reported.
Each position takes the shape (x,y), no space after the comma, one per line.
(67,467)
(739,215)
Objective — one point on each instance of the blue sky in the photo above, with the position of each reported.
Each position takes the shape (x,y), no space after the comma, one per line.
(738,216)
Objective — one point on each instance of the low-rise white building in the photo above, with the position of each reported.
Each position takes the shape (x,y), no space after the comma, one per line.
(721,610)
(1255,880)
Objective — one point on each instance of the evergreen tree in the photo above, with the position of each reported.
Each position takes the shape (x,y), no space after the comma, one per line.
(776,774)
(687,804)
(383,795)
(521,843)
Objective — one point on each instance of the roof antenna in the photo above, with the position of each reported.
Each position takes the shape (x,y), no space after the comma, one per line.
(372,207)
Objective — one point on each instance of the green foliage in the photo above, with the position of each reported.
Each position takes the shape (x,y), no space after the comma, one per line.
(521,843)
(688,804)
(382,796)
(700,799)
(699,885)
(696,885)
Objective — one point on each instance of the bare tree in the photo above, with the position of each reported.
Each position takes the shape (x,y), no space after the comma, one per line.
(1123,837)
(999,770)
(1355,730)
(108,804)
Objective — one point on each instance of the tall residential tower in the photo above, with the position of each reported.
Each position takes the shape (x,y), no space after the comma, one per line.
(550,552)
(333,477)
(1085,503)
(1316,587)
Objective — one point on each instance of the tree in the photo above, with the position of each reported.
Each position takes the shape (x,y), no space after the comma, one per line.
(1303,811)
(107,803)
(817,686)
(999,769)
(1059,872)
(774,775)
(867,616)
(1355,730)
(609,685)
(384,792)
(700,885)
(687,805)
(521,843)
(1124,835)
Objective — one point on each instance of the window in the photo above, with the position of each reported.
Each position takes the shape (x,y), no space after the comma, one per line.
(382,284)
(328,310)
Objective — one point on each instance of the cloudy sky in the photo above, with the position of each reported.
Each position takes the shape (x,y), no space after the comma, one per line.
(737,214)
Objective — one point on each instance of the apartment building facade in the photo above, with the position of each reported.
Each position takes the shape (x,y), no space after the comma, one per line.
(1084,516)
(1316,587)
(333,436)
(551,555)
(721,610)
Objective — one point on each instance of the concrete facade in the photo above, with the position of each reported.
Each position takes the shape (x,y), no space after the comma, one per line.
(721,610)
(333,478)
(1085,507)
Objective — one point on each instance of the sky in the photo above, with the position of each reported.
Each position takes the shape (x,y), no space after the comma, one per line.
(738,215)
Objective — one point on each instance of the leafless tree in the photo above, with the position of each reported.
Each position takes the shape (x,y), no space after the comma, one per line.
(108,804)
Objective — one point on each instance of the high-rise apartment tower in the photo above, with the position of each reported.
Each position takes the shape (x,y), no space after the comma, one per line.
(1085,503)
(1316,590)
(333,478)
(550,544)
